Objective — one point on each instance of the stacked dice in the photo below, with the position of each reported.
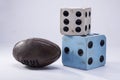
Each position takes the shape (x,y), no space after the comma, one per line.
(80,48)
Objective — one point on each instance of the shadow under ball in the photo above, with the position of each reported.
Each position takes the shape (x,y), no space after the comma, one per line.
(36,52)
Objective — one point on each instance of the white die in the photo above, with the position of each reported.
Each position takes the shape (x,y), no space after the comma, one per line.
(75,21)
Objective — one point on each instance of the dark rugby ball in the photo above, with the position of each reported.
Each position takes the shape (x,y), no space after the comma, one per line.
(36,52)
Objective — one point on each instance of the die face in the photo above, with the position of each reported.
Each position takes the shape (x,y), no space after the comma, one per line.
(74,21)
(96,51)
(73,52)
(85,52)
(88,20)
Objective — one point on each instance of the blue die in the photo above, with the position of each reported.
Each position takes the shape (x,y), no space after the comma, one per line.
(84,52)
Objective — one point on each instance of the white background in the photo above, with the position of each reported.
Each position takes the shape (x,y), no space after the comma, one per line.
(21,19)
